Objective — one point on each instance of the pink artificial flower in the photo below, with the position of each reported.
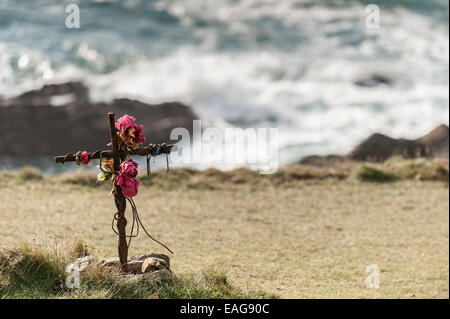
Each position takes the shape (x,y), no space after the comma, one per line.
(129,168)
(85,157)
(128,185)
(139,137)
(127,179)
(126,122)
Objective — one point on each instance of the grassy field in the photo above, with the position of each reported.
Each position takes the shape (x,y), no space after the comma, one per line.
(300,233)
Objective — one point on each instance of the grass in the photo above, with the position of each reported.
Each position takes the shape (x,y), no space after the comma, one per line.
(31,271)
(212,179)
(371,174)
(299,233)
(80,177)
(28,173)
(420,169)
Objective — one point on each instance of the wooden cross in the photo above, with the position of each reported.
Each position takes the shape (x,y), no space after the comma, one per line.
(118,156)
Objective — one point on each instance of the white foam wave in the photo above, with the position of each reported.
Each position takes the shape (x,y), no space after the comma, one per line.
(306,89)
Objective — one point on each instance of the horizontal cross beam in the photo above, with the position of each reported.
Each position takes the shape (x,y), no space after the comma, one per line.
(142,151)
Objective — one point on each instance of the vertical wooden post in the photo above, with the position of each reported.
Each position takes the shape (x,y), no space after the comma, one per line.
(119,199)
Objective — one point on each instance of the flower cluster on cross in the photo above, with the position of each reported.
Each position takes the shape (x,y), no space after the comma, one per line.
(128,132)
(129,135)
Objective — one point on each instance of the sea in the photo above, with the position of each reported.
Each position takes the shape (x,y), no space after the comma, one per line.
(293,65)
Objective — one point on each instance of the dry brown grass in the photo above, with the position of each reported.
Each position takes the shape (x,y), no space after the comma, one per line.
(290,234)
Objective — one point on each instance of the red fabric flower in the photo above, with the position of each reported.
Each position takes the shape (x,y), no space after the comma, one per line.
(131,132)
(85,157)
(129,168)
(127,178)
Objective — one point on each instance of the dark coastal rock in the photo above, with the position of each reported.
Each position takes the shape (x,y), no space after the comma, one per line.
(437,141)
(373,80)
(51,94)
(59,119)
(322,161)
(378,148)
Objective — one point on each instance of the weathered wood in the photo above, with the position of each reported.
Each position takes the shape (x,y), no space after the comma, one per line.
(142,151)
(119,199)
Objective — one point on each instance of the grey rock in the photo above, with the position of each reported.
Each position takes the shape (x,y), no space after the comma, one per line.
(140,264)
(152,264)
(59,119)
(83,262)
(437,141)
(322,161)
(373,80)
(378,148)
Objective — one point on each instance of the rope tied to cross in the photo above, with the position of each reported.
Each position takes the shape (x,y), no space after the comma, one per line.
(136,219)
(155,150)
(138,223)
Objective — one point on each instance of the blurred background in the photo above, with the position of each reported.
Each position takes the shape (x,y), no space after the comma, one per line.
(312,69)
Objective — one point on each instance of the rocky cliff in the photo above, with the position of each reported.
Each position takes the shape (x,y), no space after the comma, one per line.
(378,148)
(59,118)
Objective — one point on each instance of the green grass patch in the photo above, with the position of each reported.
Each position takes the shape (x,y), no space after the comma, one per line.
(371,174)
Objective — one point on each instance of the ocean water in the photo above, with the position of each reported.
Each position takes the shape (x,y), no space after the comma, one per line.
(287,64)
